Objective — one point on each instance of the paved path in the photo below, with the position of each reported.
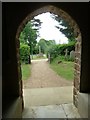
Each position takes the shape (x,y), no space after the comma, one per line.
(52,102)
(43,76)
(48,96)
(66,111)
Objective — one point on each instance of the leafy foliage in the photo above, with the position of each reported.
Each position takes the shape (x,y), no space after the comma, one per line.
(67,30)
(29,35)
(36,23)
(24,53)
(59,49)
(45,45)
(21,37)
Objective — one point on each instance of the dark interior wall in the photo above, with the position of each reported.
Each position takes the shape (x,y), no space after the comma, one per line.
(13,15)
(85,83)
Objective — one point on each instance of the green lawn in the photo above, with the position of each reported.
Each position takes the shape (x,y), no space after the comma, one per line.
(64,69)
(26,71)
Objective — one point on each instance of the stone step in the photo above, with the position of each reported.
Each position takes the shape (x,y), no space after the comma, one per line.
(83,105)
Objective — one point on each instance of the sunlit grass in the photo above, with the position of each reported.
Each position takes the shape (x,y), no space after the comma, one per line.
(26,71)
(65,69)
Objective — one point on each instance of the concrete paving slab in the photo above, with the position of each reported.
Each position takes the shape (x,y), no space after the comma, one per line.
(66,111)
(70,111)
(51,111)
(83,104)
(39,91)
(42,100)
(48,96)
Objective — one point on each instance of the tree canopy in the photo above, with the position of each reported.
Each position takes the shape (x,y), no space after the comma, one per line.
(30,32)
(45,44)
(67,30)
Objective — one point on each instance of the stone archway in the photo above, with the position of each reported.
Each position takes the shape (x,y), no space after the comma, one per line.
(77,33)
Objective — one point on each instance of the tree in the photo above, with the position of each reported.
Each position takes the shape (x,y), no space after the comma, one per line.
(45,45)
(21,37)
(66,29)
(50,42)
(36,23)
(29,34)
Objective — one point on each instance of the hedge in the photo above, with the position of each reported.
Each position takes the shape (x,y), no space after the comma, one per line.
(59,49)
(24,53)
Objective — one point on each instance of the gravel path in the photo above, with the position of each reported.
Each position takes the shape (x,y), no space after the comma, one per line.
(43,76)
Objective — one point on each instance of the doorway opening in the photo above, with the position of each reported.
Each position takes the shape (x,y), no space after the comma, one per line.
(77,35)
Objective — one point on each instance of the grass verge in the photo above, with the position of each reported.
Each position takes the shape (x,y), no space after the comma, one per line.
(65,69)
(26,71)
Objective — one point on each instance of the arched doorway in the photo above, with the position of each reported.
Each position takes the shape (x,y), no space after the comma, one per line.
(77,34)
(12,87)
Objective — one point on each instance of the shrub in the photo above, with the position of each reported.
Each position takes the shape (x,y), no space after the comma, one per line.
(59,49)
(24,53)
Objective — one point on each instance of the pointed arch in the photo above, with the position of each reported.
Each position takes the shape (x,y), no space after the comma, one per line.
(64,15)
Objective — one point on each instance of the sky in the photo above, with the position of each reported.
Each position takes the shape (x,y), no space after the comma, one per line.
(48,31)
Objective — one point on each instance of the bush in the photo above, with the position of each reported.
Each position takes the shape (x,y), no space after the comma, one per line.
(24,53)
(63,58)
(59,49)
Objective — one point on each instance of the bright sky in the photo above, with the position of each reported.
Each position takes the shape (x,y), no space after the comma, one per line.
(48,31)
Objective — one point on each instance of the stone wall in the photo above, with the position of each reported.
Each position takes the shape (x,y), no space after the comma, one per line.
(19,71)
(77,70)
